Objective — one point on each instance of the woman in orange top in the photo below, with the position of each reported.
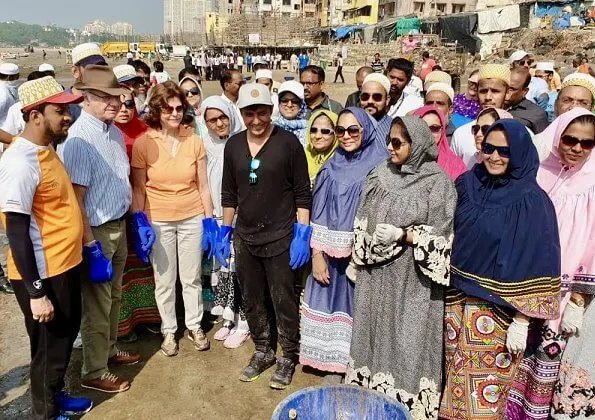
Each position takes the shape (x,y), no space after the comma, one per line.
(169,171)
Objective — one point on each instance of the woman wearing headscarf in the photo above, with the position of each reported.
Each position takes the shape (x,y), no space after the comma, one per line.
(484,120)
(567,344)
(321,141)
(403,232)
(193,93)
(450,163)
(292,109)
(138,284)
(505,271)
(327,311)
(221,122)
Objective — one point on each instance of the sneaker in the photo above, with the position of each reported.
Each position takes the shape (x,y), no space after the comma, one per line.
(200,340)
(124,358)
(222,334)
(129,338)
(258,363)
(73,406)
(282,376)
(236,339)
(169,346)
(7,288)
(78,342)
(108,382)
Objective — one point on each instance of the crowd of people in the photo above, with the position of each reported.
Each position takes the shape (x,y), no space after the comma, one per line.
(432,245)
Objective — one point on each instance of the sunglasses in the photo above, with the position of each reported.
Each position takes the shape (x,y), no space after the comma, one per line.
(166,109)
(377,97)
(572,141)
(129,104)
(435,128)
(254,165)
(396,143)
(324,131)
(223,118)
(193,92)
(289,100)
(488,149)
(352,130)
(484,129)
(527,62)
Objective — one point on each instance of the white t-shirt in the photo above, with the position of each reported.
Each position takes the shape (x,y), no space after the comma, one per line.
(235,108)
(404,105)
(159,77)
(129,55)
(240,60)
(414,87)
(7,99)
(14,123)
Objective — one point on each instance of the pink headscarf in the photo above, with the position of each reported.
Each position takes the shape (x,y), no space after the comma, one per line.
(450,163)
(572,190)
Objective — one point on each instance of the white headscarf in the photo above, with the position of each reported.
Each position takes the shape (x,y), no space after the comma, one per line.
(215,147)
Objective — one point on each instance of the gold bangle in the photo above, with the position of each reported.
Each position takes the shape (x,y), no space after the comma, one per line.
(578,302)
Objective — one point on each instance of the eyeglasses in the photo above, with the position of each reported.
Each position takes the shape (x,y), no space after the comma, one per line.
(223,118)
(166,109)
(323,131)
(375,96)
(352,130)
(583,103)
(285,101)
(193,92)
(129,104)
(484,129)
(254,165)
(528,62)
(488,149)
(396,143)
(435,128)
(572,141)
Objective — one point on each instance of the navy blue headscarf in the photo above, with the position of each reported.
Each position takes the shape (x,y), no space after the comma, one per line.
(338,187)
(506,247)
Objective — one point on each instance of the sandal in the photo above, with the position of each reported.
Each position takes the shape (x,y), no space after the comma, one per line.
(222,334)
(236,339)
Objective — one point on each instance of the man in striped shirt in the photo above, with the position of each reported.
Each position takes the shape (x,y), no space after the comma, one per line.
(95,158)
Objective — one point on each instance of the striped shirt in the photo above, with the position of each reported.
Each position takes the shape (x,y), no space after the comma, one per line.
(94,155)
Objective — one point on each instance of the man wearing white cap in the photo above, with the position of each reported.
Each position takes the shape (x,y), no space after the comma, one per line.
(41,216)
(441,95)
(47,68)
(265,77)
(374,100)
(532,116)
(538,88)
(545,70)
(9,85)
(265,179)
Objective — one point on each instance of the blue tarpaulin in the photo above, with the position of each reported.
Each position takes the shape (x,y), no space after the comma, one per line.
(343,31)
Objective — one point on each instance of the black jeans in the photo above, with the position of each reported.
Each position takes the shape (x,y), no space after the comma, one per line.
(51,343)
(268,288)
(339,73)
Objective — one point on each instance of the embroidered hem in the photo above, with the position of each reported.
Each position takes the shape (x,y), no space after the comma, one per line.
(334,243)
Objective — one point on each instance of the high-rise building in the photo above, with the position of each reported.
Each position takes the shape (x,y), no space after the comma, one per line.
(97,27)
(122,29)
(185,16)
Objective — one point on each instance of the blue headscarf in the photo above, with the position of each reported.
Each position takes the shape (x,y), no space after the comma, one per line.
(506,248)
(338,187)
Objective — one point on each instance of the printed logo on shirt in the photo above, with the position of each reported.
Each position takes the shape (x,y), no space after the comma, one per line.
(37,284)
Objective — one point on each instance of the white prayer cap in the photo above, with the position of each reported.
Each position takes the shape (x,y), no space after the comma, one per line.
(9,69)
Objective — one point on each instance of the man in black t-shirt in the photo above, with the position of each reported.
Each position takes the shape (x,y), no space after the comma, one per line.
(265,179)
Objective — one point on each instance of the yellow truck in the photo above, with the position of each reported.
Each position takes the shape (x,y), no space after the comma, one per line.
(112,48)
(147,47)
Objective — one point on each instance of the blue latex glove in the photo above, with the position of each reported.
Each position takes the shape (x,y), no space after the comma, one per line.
(100,268)
(543,101)
(143,236)
(223,251)
(210,231)
(299,250)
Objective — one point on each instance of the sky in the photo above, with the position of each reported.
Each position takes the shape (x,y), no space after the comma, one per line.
(145,15)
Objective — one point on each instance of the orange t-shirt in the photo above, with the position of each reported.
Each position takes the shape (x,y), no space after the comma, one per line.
(33,181)
(172,181)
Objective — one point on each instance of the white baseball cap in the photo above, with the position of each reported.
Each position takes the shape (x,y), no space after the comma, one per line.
(545,66)
(517,56)
(292,86)
(9,69)
(46,67)
(254,94)
(263,74)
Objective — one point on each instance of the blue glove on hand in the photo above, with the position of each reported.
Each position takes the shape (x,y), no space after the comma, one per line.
(210,231)
(223,251)
(543,101)
(100,268)
(143,236)
(299,251)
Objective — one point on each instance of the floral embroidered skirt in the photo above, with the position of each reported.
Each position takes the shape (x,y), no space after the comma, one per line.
(479,368)
(574,394)
(326,320)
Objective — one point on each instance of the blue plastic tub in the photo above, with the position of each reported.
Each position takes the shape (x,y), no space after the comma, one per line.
(339,402)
